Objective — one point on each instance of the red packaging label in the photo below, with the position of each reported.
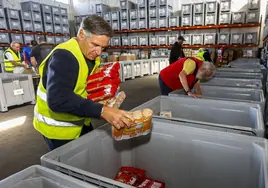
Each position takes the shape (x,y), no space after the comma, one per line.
(106,83)
(103,94)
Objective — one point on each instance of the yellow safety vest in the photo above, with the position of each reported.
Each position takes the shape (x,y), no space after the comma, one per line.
(62,126)
(9,67)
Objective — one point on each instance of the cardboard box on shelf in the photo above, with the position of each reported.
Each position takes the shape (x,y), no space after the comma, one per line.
(127,57)
(113,58)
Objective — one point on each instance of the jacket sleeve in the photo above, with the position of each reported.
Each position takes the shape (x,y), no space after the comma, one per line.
(61,77)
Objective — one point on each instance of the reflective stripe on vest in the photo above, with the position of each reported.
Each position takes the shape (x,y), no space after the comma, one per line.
(9,67)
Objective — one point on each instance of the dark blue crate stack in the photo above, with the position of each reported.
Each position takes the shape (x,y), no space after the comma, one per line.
(125,7)
(56,17)
(142,14)
(26,21)
(64,21)
(47,18)
(4,37)
(13,19)
(35,11)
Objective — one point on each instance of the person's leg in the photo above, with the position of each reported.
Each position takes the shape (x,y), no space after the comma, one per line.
(53,144)
(165,90)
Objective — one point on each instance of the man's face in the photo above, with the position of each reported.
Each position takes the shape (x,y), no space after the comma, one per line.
(93,45)
(16,47)
(181,41)
(203,73)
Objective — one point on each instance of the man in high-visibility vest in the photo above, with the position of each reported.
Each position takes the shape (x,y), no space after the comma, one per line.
(62,110)
(12,59)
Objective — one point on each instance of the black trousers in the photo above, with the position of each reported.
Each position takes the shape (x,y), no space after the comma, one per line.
(53,143)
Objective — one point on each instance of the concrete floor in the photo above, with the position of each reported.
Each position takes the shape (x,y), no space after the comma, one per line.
(23,146)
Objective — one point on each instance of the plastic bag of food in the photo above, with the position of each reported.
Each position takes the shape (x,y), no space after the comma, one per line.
(103,94)
(106,83)
(167,114)
(131,176)
(142,125)
(115,66)
(116,101)
(149,183)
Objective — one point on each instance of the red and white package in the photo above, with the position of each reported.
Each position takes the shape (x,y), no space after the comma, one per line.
(103,94)
(131,176)
(149,183)
(108,72)
(114,66)
(116,101)
(106,83)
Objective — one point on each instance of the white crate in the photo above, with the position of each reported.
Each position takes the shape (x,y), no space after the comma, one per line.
(155,66)
(137,68)
(163,63)
(212,6)
(115,25)
(153,40)
(198,39)
(188,39)
(133,41)
(163,22)
(153,12)
(15,89)
(187,9)
(125,41)
(124,25)
(134,24)
(225,18)
(210,38)
(253,16)
(172,39)
(153,23)
(199,8)
(162,40)
(174,21)
(146,67)
(143,23)
(127,70)
(186,20)
(198,19)
(211,19)
(223,38)
(143,41)
(253,4)
(225,5)
(133,14)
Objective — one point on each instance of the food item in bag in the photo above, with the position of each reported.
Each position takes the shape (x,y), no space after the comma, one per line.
(106,83)
(142,125)
(103,94)
(131,176)
(116,101)
(167,114)
(149,183)
(114,66)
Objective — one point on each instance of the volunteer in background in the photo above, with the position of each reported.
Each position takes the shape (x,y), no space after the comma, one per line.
(26,50)
(177,50)
(62,110)
(186,74)
(12,59)
(40,51)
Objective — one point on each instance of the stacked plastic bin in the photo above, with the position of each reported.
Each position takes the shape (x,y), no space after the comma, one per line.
(253,14)
(13,20)
(65,23)
(142,14)
(4,37)
(48,22)
(186,14)
(125,7)
(225,12)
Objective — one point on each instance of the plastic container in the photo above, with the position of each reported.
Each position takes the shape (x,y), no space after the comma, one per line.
(223,38)
(133,14)
(188,39)
(55,10)
(12,13)
(153,23)
(173,21)
(127,70)
(63,12)
(14,24)
(137,68)
(231,117)
(57,28)
(142,13)
(143,23)
(212,6)
(187,9)
(248,95)
(253,16)
(46,8)
(237,38)
(155,66)
(2,13)
(15,89)
(174,153)
(38,176)
(124,15)
(30,6)
(225,5)
(37,16)
(134,24)
(65,29)
(102,8)
(198,19)
(198,39)
(211,19)
(28,38)
(16,37)
(163,22)
(210,38)
(48,28)
(186,20)
(26,16)
(126,4)
(238,17)
(225,18)
(58,39)
(50,39)
(244,75)
(3,24)
(4,38)
(199,8)
(146,65)
(250,38)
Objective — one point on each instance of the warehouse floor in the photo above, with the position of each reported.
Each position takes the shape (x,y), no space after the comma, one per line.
(22,146)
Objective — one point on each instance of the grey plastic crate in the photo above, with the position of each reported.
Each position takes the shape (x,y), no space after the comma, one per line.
(223,38)
(124,14)
(251,69)
(48,28)
(142,13)
(234,82)
(210,38)
(58,39)
(107,16)
(57,28)
(188,39)
(143,41)
(63,12)
(55,10)
(198,19)
(247,95)
(133,14)
(146,66)
(238,17)
(116,41)
(162,40)
(153,23)
(65,38)
(187,9)
(127,70)
(212,6)
(253,16)
(237,38)
(211,19)
(154,53)
(155,66)
(4,38)
(197,39)
(199,8)
(47,18)
(186,20)
(164,2)
(116,25)
(172,39)
(163,22)
(26,16)
(115,15)
(143,23)
(3,24)
(12,13)
(225,18)
(64,20)
(102,8)
(37,16)
(38,27)
(14,24)
(30,6)
(46,8)
(165,11)
(65,29)
(253,4)
(125,41)
(173,21)
(15,89)
(245,75)
(133,41)
(126,4)
(124,25)
(153,40)
(153,3)
(142,3)
(37,37)
(137,68)
(38,176)
(214,158)
(28,38)
(153,12)
(250,38)
(225,5)
(2,13)
(50,39)
(56,19)
(27,25)
(134,24)
(231,117)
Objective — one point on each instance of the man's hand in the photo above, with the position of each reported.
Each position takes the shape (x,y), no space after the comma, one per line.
(194,95)
(118,118)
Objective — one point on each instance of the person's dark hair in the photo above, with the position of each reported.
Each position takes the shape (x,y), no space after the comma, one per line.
(96,25)
(33,42)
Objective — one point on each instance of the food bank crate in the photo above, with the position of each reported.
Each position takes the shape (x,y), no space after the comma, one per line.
(241,118)
(214,158)
(38,176)
(15,89)
(127,70)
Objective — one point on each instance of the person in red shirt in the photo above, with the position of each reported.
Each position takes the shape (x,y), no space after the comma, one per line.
(186,74)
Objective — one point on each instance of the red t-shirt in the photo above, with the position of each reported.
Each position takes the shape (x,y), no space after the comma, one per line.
(170,74)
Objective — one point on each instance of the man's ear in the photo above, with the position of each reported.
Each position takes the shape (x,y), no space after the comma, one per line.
(81,34)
